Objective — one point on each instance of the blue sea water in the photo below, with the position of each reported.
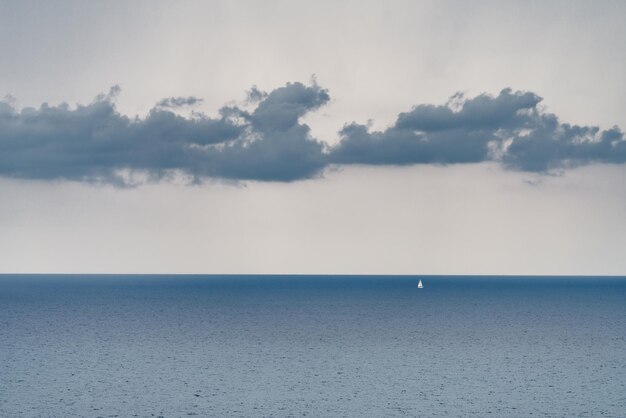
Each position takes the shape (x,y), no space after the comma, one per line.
(278,346)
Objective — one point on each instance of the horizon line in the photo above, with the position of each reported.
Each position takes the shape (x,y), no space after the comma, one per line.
(318,275)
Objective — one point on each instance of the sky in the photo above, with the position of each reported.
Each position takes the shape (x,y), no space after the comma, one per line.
(301,137)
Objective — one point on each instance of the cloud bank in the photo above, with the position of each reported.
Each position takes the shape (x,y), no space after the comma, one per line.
(96,143)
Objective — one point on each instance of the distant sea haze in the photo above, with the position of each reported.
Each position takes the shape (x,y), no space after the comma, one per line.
(261,346)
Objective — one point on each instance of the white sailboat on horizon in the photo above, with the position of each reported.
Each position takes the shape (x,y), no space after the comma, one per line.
(420,285)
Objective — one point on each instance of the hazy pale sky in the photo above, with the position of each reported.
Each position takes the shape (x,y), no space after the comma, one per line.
(530,180)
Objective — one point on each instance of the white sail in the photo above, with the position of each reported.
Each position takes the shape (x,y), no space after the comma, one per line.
(420,285)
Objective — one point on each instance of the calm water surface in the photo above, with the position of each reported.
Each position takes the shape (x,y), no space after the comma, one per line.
(280,346)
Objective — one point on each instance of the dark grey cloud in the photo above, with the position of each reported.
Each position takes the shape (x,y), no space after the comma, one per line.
(277,146)
(174,102)
(96,143)
(510,128)
(256,95)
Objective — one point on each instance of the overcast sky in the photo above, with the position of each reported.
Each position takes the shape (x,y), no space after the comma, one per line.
(312,137)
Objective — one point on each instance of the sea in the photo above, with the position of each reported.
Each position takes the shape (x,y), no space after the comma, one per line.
(316,346)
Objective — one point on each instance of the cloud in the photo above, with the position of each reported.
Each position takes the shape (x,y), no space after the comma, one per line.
(510,128)
(255,95)
(96,143)
(175,102)
(278,147)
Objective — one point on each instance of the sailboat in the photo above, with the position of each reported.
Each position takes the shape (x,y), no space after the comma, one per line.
(420,285)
